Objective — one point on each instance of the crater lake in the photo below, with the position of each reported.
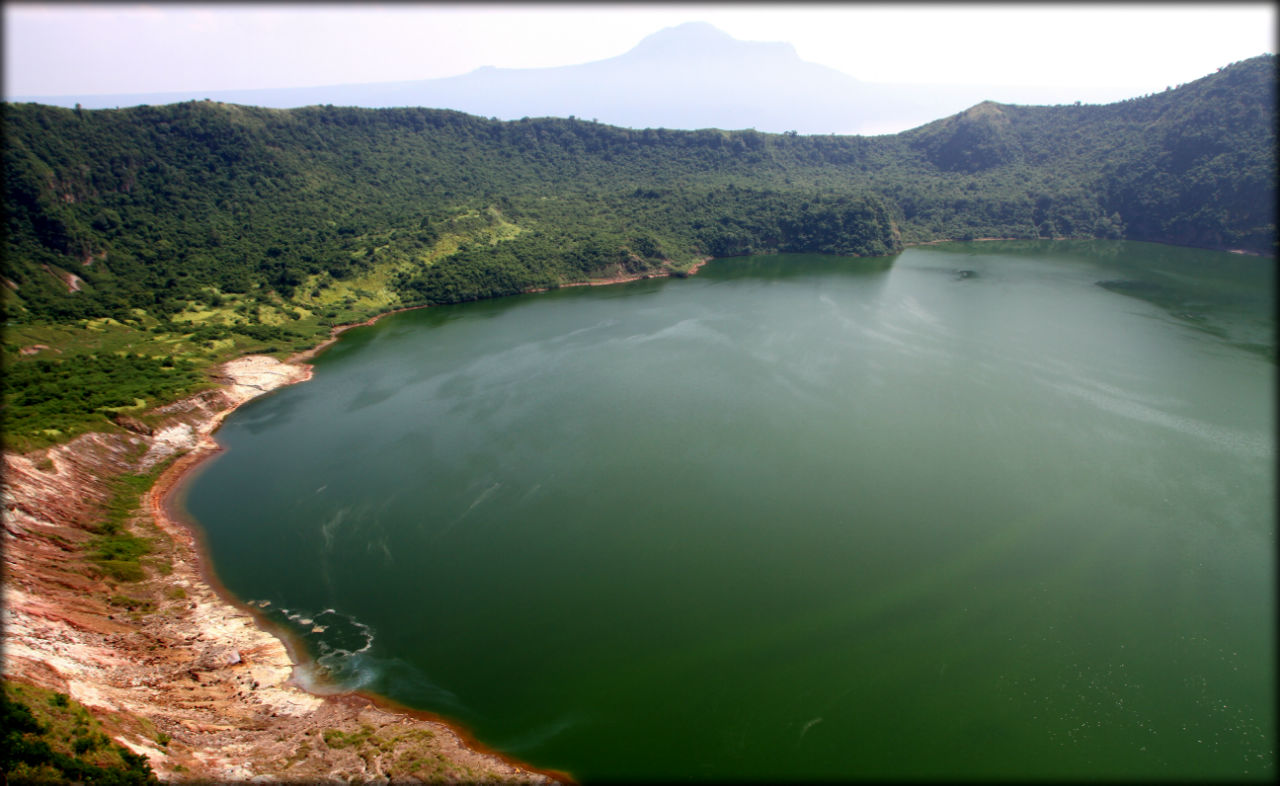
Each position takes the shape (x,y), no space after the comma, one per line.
(977,510)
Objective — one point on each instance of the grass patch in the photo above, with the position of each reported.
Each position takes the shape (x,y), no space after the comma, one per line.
(338,739)
(117,557)
(115,550)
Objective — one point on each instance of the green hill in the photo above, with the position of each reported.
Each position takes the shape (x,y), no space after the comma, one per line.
(197,230)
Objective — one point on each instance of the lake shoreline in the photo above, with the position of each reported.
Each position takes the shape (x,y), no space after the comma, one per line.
(492,395)
(185,438)
(940,241)
(189,438)
(336,331)
(186,675)
(164,504)
(188,429)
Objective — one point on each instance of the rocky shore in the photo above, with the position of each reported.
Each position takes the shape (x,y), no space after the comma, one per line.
(173,669)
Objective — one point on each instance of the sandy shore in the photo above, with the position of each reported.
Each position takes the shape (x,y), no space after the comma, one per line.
(196,668)
(176,669)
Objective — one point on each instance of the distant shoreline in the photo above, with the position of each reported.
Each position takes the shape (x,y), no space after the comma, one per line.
(307,355)
(188,536)
(1241,251)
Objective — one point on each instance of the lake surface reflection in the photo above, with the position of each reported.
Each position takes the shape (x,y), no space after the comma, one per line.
(977,510)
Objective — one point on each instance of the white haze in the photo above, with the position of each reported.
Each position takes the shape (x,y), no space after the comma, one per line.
(1034,53)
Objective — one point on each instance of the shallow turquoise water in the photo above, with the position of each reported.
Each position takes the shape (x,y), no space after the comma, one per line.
(795,517)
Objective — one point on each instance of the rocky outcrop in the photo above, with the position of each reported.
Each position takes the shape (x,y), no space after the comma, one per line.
(172,669)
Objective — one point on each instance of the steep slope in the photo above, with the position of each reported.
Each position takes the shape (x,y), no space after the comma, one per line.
(201,230)
(977,139)
(151,207)
(1203,171)
(160,209)
(1192,166)
(174,671)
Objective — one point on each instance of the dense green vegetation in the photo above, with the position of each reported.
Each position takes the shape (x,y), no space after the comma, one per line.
(201,230)
(49,394)
(48,738)
(143,245)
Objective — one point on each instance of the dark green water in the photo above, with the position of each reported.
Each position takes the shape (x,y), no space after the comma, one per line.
(796,517)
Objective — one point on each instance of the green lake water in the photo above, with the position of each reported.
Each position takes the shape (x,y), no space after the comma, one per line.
(977,510)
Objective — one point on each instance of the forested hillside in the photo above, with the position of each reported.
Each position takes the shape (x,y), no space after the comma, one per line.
(201,229)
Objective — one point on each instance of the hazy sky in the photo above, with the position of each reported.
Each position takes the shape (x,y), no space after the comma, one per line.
(61,48)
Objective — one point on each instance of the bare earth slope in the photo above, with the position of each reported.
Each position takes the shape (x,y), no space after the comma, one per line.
(173,670)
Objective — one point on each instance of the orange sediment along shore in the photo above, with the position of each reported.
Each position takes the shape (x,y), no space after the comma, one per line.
(627,278)
(258,374)
(197,683)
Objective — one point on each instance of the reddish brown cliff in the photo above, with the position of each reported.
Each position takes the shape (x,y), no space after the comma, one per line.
(173,669)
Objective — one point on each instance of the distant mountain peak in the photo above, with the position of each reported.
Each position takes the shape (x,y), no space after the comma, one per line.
(686,34)
(698,38)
